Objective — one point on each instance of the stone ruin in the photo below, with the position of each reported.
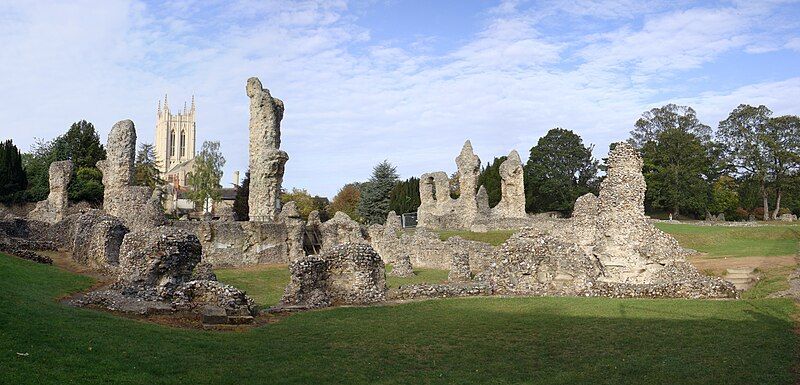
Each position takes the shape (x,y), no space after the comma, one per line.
(267,161)
(139,207)
(347,274)
(609,248)
(54,208)
(471,209)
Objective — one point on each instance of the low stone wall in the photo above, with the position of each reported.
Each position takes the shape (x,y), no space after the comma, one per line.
(448,290)
(232,244)
(425,249)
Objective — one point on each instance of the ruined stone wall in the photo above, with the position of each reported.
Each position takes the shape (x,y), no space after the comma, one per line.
(471,210)
(54,208)
(267,161)
(347,274)
(233,244)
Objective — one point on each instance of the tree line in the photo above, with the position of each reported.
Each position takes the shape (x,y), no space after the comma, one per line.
(748,167)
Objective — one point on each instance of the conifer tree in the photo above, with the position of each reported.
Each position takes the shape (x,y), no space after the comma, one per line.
(375,194)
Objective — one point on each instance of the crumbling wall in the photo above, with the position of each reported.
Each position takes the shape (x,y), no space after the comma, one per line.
(347,274)
(233,244)
(471,210)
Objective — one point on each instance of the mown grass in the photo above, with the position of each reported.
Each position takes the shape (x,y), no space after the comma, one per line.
(265,283)
(493,237)
(464,341)
(727,241)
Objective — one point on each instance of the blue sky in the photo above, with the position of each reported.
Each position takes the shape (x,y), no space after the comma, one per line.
(407,81)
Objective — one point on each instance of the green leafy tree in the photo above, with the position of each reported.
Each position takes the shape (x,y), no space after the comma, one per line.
(559,170)
(374,203)
(146,172)
(206,174)
(489,178)
(783,142)
(674,169)
(744,135)
(671,116)
(404,197)
(241,207)
(13,179)
(87,185)
(304,201)
(81,144)
(724,196)
(346,201)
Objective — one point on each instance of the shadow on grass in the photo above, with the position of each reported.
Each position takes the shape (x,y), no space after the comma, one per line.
(476,340)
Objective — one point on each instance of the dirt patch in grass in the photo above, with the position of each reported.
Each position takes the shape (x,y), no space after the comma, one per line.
(719,265)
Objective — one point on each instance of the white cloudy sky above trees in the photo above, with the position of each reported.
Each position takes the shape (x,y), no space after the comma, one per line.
(406,81)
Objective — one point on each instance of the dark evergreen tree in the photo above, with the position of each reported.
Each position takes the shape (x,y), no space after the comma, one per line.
(490,179)
(146,173)
(559,170)
(241,208)
(374,203)
(404,197)
(13,179)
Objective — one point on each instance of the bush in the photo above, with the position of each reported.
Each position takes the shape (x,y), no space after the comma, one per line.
(739,214)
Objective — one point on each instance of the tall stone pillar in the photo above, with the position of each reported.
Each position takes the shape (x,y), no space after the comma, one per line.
(267,161)
(469,168)
(512,203)
(118,167)
(54,208)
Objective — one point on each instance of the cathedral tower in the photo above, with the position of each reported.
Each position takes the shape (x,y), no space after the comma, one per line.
(175,136)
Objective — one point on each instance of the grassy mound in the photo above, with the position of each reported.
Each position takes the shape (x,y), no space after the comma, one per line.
(477,340)
(727,241)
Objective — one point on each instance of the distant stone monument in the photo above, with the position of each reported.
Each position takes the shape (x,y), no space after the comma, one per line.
(267,161)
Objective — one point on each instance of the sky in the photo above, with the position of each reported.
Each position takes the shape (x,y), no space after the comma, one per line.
(405,81)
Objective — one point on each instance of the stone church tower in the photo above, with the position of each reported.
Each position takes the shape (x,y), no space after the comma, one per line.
(175,136)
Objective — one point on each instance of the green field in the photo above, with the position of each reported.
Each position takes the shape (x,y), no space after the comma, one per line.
(265,284)
(478,340)
(493,237)
(726,241)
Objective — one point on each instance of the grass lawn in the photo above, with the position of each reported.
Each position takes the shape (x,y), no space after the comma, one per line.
(726,241)
(493,237)
(265,283)
(477,340)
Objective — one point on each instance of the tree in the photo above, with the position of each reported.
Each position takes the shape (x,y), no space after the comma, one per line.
(675,164)
(657,120)
(559,170)
(404,197)
(146,173)
(13,179)
(346,201)
(81,144)
(86,185)
(304,201)
(744,135)
(783,142)
(241,206)
(724,196)
(374,203)
(206,174)
(489,178)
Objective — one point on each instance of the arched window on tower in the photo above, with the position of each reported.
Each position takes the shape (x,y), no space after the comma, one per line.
(171,143)
(183,143)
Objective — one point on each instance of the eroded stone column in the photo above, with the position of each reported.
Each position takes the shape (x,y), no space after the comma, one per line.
(54,208)
(267,161)
(512,203)
(469,168)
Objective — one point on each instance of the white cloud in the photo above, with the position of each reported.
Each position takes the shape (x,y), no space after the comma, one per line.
(352,101)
